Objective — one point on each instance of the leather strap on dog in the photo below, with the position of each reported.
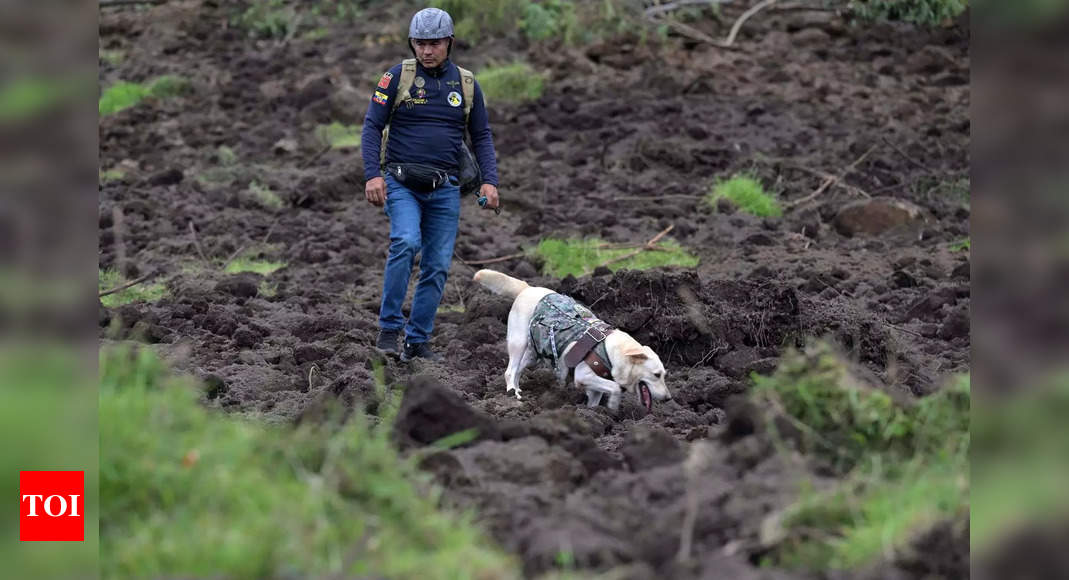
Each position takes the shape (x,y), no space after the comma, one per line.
(583,351)
(600,367)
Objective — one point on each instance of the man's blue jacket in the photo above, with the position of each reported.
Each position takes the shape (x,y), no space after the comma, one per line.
(429,128)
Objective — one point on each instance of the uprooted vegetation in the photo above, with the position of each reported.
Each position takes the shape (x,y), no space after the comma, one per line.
(177,480)
(904,463)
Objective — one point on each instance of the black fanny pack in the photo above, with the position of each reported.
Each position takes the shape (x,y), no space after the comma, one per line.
(417,177)
(471,175)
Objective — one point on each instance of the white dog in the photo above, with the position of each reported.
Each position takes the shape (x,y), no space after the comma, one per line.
(541,317)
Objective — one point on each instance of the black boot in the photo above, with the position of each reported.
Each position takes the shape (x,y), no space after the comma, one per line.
(388,341)
(418,350)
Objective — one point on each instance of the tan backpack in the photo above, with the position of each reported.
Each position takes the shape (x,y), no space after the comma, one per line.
(404,84)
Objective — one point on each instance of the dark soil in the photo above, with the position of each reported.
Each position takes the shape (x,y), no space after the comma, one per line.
(623,143)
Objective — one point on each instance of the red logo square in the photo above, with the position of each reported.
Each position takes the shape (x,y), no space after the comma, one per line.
(52,506)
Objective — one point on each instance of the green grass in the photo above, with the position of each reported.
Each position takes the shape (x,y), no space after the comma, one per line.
(190,492)
(925,12)
(961,245)
(265,196)
(338,136)
(578,257)
(868,515)
(476,20)
(550,19)
(267,289)
(747,193)
(512,83)
(904,464)
(112,57)
(143,292)
(250,264)
(226,156)
(109,175)
(123,95)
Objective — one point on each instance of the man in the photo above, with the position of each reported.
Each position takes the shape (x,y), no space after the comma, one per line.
(420,189)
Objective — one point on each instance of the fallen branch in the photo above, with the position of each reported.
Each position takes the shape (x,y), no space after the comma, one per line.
(492,260)
(129,284)
(830,180)
(746,16)
(697,35)
(646,246)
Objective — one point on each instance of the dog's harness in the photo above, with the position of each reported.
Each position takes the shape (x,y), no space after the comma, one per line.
(559,321)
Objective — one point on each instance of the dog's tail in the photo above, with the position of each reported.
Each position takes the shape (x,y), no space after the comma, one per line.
(499,283)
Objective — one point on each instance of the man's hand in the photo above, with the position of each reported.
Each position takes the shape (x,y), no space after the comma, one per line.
(490,193)
(375,191)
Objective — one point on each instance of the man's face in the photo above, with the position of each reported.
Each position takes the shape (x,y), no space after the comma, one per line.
(431,53)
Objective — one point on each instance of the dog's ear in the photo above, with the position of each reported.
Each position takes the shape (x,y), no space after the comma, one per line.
(635,352)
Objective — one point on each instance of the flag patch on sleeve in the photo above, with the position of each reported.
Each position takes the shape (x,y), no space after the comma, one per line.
(379,98)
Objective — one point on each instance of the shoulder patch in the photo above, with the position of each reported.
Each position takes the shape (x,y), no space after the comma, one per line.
(379,98)
(384,82)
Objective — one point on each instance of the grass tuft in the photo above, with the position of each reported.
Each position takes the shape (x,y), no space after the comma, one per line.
(338,136)
(143,292)
(123,95)
(512,83)
(256,265)
(747,194)
(110,175)
(189,492)
(265,196)
(578,257)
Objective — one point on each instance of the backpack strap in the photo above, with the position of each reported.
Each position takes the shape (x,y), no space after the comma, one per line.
(467,85)
(404,84)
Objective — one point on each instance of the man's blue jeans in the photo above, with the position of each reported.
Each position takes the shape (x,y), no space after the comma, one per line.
(424,222)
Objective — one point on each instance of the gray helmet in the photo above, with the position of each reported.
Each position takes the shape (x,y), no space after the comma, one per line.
(431,23)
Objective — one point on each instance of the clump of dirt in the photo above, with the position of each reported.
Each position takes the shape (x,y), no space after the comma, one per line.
(625,141)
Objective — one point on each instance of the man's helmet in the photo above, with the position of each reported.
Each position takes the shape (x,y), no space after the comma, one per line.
(431,23)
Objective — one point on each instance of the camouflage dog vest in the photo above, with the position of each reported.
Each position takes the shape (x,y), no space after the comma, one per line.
(559,321)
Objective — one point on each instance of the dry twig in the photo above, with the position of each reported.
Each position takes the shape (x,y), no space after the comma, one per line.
(492,260)
(830,180)
(648,245)
(129,284)
(906,156)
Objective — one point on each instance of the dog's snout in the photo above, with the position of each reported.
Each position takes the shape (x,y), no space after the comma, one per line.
(668,397)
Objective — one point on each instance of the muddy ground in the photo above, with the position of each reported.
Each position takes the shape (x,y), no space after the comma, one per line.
(625,139)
